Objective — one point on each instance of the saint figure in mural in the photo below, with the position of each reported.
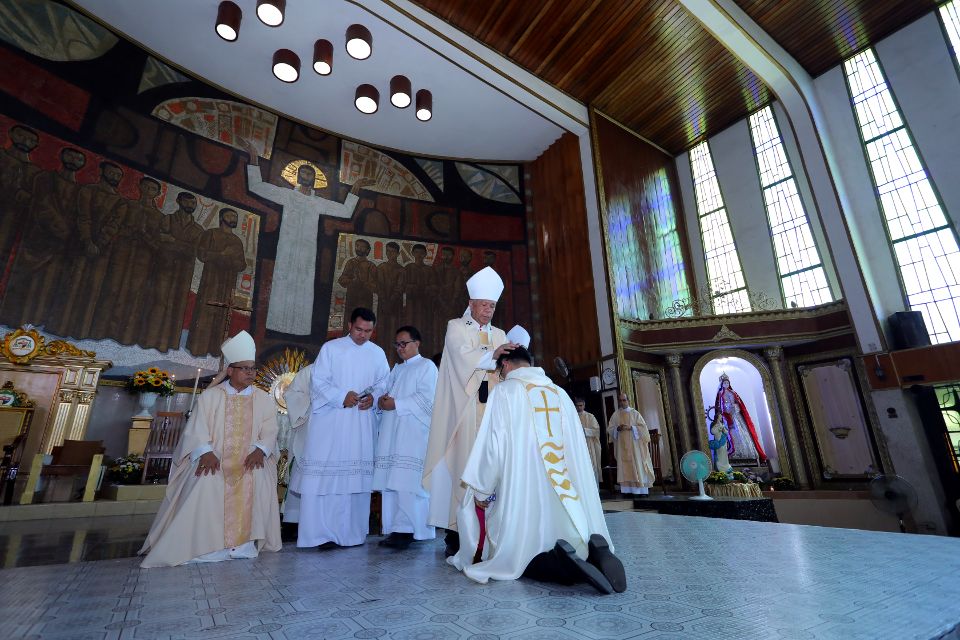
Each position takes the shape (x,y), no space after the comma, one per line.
(359,278)
(742,440)
(291,290)
(391,281)
(48,236)
(16,187)
(221,252)
(448,287)
(98,222)
(420,310)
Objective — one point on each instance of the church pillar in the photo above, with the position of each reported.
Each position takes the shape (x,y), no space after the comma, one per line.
(794,462)
(683,424)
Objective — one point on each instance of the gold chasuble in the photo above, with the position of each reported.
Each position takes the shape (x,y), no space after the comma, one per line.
(238,492)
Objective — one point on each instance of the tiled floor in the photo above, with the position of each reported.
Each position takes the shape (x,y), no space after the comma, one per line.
(688,578)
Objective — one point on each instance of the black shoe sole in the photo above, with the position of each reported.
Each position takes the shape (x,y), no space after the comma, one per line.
(609,565)
(583,569)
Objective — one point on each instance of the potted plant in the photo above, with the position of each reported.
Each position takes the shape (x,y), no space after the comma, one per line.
(126,470)
(150,385)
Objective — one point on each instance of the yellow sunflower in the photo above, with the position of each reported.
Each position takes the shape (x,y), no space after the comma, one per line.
(155,382)
(153,370)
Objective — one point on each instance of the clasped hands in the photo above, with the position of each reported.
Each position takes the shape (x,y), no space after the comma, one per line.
(209,463)
(353,399)
(387,403)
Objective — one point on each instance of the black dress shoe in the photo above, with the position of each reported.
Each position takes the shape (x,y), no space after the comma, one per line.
(397,540)
(452,540)
(328,545)
(582,570)
(609,565)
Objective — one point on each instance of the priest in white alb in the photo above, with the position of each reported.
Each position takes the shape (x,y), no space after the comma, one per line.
(471,347)
(221,499)
(631,439)
(591,430)
(330,485)
(531,505)
(404,412)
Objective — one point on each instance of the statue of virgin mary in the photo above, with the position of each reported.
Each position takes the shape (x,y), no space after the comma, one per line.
(743,444)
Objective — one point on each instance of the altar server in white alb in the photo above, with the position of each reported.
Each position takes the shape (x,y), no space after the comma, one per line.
(221,500)
(330,485)
(531,478)
(470,351)
(404,412)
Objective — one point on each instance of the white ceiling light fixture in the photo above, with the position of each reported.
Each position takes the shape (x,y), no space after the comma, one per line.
(229,16)
(424,105)
(323,57)
(286,65)
(359,42)
(367,99)
(400,91)
(271,12)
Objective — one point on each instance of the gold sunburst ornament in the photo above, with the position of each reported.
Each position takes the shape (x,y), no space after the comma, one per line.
(276,375)
(290,172)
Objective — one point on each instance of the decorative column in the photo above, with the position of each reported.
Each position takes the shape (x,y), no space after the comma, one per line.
(683,425)
(774,356)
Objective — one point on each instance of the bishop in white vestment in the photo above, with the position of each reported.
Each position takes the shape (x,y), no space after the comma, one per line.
(291,290)
(628,431)
(329,493)
(404,412)
(531,475)
(221,499)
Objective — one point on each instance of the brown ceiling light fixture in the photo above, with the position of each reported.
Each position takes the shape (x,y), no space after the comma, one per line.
(359,42)
(229,16)
(424,105)
(400,92)
(286,65)
(367,99)
(271,12)
(323,57)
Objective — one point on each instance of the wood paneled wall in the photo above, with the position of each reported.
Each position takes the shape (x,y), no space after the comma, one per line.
(566,302)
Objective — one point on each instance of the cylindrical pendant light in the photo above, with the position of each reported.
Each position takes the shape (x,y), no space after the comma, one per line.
(424,105)
(400,91)
(270,12)
(323,57)
(367,99)
(286,65)
(359,42)
(228,20)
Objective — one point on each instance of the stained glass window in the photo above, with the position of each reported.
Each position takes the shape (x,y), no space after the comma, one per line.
(803,281)
(949,397)
(728,289)
(924,242)
(950,16)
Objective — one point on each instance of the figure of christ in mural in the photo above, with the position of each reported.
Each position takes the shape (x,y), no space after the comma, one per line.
(743,444)
(179,237)
(391,282)
(292,286)
(48,236)
(98,221)
(359,278)
(16,188)
(448,287)
(420,308)
(221,252)
(129,295)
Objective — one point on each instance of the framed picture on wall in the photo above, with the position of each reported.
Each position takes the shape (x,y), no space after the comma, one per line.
(608,374)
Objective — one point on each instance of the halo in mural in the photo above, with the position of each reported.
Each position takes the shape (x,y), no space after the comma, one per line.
(52,31)
(157,74)
(290,171)
(224,121)
(389,176)
(489,184)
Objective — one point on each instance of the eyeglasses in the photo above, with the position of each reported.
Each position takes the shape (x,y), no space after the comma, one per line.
(244,369)
(403,345)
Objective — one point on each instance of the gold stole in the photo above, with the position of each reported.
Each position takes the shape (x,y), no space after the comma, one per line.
(238,485)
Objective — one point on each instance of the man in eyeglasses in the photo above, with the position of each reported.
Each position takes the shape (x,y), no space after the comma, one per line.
(404,412)
(221,500)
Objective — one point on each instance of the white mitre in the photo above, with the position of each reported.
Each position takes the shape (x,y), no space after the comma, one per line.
(518,335)
(485,285)
(239,348)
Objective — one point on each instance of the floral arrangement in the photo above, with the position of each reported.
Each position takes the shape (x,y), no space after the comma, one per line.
(153,380)
(128,470)
(720,477)
(783,483)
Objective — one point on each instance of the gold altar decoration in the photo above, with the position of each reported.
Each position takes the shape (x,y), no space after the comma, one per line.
(289,174)
(276,375)
(62,347)
(10,397)
(22,345)
(734,490)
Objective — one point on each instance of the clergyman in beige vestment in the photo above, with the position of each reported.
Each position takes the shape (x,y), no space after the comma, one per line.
(591,431)
(628,431)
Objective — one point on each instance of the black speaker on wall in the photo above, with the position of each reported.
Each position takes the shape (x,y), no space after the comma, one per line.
(908,330)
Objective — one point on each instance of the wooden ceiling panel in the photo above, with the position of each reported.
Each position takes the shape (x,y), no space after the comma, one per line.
(651,66)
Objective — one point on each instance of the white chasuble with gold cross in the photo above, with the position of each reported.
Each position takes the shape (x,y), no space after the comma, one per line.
(530,452)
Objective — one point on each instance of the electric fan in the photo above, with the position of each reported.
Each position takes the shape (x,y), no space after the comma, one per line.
(893,494)
(695,467)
